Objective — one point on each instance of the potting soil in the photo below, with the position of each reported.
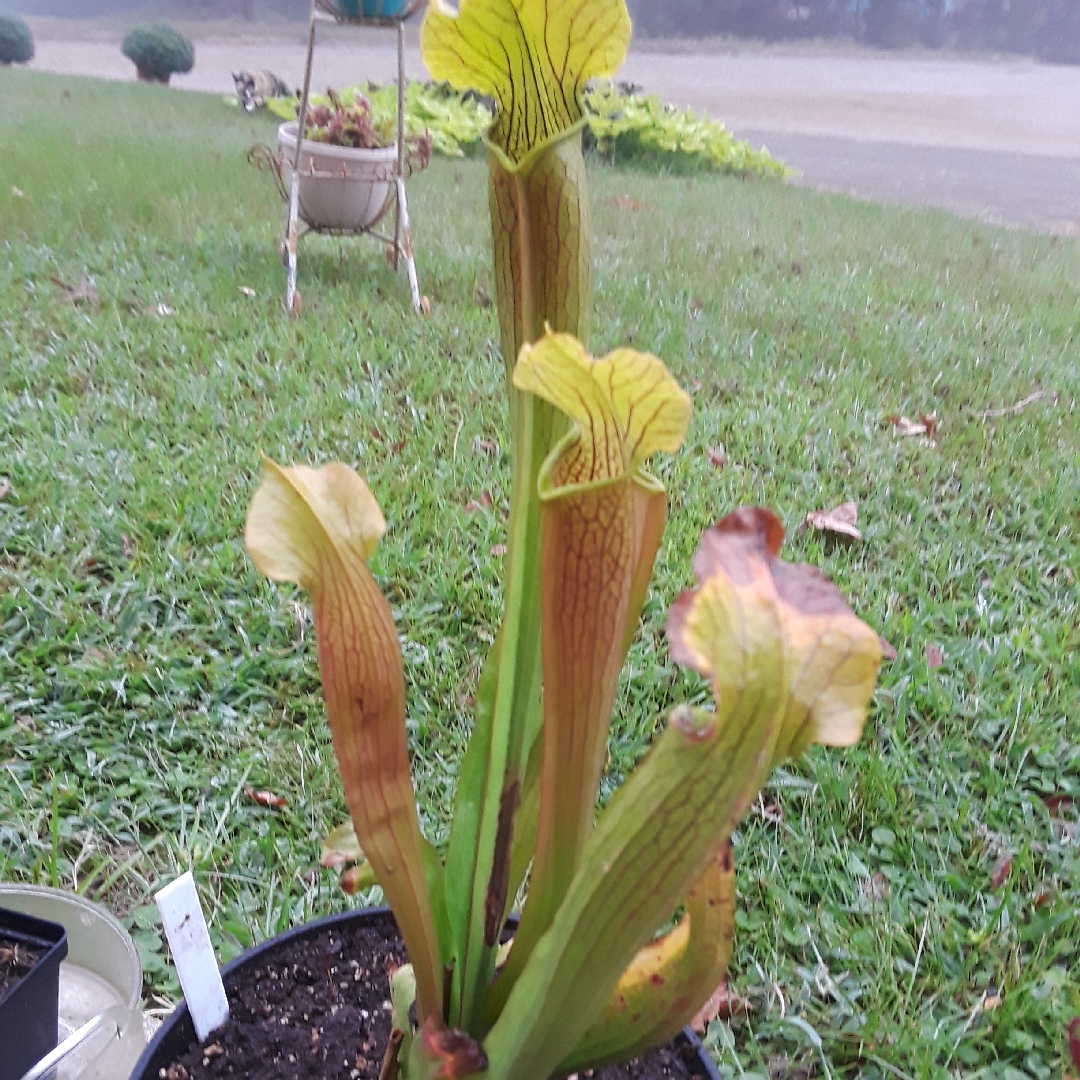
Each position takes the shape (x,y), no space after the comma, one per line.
(17,959)
(321,1009)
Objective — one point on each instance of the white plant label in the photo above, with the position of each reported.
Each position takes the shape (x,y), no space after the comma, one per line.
(189,940)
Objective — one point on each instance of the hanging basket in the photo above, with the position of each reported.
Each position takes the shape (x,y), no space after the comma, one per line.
(371,9)
(378,11)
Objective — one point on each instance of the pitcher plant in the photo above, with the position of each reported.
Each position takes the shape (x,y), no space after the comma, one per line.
(585,981)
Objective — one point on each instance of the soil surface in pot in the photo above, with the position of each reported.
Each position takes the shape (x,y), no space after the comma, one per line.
(16,960)
(321,1009)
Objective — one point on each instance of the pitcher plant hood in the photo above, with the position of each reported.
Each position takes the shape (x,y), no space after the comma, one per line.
(532,56)
(825,659)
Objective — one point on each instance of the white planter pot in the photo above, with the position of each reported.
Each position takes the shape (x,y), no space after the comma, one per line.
(340,187)
(101,971)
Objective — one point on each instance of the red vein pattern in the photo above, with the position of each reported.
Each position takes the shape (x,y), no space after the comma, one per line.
(316,527)
(532,56)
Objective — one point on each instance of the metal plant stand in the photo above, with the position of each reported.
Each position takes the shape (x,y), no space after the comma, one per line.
(327,11)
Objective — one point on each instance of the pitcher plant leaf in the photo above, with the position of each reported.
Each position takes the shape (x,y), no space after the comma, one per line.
(317,528)
(789,664)
(602,521)
(670,978)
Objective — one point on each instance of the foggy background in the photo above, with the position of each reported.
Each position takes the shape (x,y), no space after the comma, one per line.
(971,106)
(1049,29)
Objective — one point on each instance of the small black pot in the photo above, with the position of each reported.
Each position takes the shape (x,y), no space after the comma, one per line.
(178,1032)
(28,1011)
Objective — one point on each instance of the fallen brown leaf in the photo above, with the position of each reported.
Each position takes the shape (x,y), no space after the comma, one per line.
(483,503)
(934,657)
(396,448)
(875,888)
(83,293)
(265,798)
(481,296)
(888,651)
(695,385)
(927,426)
(717,457)
(628,202)
(723,1004)
(498,550)
(840,521)
(5,488)
(1001,871)
(425,305)
(352,879)
(991,1001)
(489,446)
(1059,804)
(127,545)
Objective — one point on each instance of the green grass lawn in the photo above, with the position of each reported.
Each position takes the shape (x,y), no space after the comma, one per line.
(148,674)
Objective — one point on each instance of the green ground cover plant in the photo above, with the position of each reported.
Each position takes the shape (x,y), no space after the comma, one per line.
(924,920)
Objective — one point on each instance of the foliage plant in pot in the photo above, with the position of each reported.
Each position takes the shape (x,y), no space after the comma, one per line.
(347,161)
(585,980)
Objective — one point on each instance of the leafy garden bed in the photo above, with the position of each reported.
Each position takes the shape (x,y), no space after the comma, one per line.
(624,127)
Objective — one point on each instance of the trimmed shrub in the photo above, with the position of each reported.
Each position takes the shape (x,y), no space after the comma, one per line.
(158,51)
(16,41)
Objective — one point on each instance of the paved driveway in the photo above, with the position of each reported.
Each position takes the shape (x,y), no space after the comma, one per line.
(999,140)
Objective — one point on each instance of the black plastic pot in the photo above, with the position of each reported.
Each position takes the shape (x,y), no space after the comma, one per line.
(178,1032)
(28,1011)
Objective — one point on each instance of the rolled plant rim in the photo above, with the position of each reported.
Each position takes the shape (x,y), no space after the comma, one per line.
(177,1032)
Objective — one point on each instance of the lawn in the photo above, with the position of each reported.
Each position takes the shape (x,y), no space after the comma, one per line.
(909,908)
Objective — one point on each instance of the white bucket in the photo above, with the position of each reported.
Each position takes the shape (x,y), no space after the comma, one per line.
(102,969)
(341,187)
